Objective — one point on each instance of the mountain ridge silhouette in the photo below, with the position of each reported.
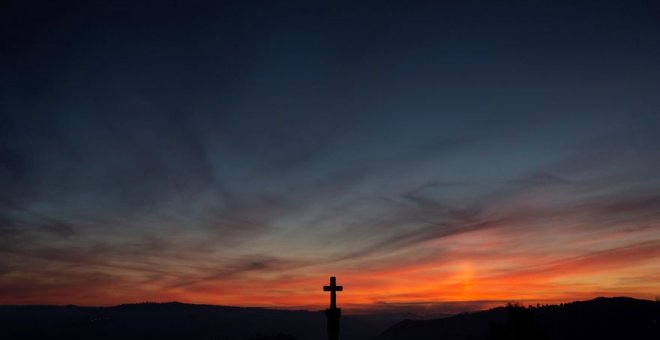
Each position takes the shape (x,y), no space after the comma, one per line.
(604,318)
(599,318)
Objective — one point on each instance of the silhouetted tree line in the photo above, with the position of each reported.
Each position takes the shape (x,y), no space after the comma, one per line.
(520,324)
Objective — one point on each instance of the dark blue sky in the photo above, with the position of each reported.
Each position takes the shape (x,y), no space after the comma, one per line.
(160,149)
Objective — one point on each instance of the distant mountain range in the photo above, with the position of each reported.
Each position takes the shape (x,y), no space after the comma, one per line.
(601,318)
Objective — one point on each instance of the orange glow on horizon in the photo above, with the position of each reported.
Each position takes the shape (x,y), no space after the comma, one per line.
(478,268)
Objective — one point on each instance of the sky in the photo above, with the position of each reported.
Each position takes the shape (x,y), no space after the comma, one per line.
(435,156)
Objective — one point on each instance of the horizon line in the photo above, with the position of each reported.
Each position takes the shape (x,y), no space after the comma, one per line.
(392,310)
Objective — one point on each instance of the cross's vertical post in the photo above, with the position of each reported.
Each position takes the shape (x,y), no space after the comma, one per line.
(333,313)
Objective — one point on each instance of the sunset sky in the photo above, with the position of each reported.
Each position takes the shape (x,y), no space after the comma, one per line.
(435,157)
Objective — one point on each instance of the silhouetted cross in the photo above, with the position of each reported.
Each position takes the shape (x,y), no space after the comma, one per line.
(333,289)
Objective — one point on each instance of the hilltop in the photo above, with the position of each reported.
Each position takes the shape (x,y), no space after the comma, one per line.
(601,318)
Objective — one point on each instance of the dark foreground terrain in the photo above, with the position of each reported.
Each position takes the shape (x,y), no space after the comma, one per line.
(602,318)
(166,321)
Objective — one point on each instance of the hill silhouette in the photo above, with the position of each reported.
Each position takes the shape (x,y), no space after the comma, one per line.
(178,321)
(601,318)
